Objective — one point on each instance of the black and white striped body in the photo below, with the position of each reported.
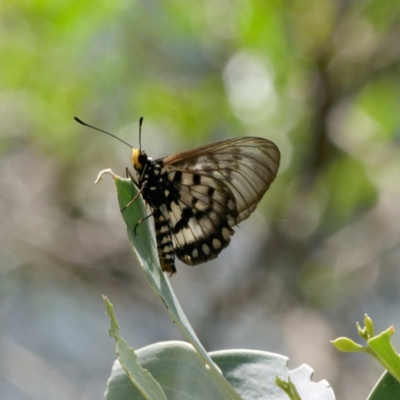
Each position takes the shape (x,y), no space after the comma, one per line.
(197,196)
(159,193)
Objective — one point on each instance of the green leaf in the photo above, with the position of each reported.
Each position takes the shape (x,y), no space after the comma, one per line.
(369,326)
(289,388)
(347,345)
(387,388)
(252,373)
(181,373)
(384,352)
(145,247)
(178,368)
(141,378)
(378,346)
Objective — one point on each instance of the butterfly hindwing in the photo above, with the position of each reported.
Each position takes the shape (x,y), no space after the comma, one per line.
(202,217)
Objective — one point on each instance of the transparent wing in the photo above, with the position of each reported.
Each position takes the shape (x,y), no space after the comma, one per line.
(246,166)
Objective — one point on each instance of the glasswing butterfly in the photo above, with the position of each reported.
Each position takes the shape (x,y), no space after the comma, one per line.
(197,196)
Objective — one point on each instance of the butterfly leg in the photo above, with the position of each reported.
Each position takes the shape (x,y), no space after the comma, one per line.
(165,245)
(129,175)
(134,199)
(139,222)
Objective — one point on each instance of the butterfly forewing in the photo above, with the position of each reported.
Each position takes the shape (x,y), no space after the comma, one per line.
(197,196)
(247,166)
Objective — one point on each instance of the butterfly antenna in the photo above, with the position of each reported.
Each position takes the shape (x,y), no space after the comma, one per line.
(101,130)
(140,133)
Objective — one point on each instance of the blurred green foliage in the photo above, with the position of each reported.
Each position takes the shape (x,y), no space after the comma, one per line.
(319,78)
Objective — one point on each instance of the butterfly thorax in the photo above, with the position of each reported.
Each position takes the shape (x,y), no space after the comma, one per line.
(157,189)
(159,193)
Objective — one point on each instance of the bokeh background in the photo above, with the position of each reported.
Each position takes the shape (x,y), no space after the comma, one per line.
(319,78)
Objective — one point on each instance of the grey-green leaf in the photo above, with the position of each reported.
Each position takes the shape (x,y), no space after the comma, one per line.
(178,368)
(252,373)
(145,384)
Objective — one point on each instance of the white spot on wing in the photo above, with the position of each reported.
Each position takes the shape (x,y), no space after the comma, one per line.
(216,244)
(226,233)
(187,259)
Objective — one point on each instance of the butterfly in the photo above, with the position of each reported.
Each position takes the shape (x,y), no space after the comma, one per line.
(197,196)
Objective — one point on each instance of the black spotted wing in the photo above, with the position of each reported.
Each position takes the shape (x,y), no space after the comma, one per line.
(219,185)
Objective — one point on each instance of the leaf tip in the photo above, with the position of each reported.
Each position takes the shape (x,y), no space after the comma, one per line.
(104,171)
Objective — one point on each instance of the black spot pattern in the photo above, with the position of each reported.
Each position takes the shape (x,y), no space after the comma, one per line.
(187,213)
(196,179)
(178,176)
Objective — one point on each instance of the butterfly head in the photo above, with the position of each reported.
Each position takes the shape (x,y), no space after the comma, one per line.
(139,159)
